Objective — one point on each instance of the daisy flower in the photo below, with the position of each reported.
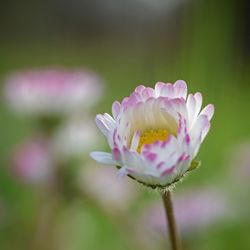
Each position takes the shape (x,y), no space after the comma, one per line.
(155,133)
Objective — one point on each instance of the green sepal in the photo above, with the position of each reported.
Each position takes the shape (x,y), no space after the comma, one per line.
(194,165)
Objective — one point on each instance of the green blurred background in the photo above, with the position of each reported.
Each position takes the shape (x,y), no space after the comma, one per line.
(205,43)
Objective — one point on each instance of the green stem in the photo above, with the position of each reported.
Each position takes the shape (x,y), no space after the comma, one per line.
(173,235)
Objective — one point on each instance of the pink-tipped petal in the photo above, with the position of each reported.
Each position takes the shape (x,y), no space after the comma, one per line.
(181,89)
(168,90)
(116,107)
(158,88)
(139,89)
(147,93)
(208,111)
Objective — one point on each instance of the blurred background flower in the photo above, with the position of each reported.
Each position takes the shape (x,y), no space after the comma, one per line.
(32,162)
(113,194)
(76,137)
(52,92)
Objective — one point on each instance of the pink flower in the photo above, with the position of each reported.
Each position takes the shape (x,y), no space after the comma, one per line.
(48,92)
(155,133)
(32,162)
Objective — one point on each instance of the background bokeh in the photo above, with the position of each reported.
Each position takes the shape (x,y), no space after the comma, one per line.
(127,43)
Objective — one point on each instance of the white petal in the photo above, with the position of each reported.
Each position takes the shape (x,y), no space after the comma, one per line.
(158,88)
(180,89)
(105,123)
(168,90)
(132,159)
(103,157)
(122,172)
(139,89)
(109,120)
(191,108)
(198,103)
(208,111)
(205,131)
(116,107)
(135,141)
(101,125)
(200,128)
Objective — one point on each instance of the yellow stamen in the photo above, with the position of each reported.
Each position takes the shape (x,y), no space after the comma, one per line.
(151,136)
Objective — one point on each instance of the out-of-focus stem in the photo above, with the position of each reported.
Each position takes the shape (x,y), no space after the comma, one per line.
(173,235)
(44,225)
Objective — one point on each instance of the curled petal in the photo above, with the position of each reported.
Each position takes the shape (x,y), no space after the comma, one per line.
(100,122)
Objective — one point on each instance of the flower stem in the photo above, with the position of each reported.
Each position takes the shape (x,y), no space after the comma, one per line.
(168,205)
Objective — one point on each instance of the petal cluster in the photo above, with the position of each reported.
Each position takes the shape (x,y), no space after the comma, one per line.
(155,133)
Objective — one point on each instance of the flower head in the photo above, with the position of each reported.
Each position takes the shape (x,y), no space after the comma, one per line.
(155,133)
(50,92)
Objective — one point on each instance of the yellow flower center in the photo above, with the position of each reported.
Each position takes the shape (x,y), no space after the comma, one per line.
(151,136)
